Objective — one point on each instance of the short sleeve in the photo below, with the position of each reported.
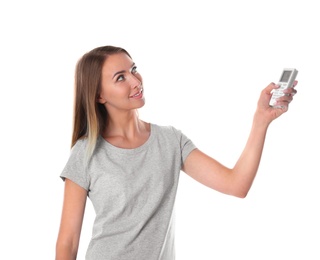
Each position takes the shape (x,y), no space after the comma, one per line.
(75,168)
(186,145)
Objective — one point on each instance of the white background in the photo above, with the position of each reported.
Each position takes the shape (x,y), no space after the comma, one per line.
(204,64)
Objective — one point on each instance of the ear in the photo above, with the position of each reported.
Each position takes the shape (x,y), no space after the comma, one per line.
(101,100)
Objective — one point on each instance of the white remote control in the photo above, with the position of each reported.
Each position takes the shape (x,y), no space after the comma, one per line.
(287,79)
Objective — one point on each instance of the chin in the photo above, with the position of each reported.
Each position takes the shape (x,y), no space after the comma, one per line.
(142,103)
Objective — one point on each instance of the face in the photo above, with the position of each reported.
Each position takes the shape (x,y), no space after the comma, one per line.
(121,86)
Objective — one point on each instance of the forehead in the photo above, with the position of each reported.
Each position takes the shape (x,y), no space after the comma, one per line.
(116,62)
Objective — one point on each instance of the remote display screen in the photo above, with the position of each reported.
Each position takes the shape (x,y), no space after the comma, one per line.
(285,76)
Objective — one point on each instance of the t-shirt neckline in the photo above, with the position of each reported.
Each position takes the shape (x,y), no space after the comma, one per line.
(142,147)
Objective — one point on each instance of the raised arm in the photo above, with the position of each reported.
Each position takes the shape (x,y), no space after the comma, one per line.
(71,221)
(237,181)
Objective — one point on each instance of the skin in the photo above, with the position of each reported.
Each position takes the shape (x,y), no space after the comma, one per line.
(120,81)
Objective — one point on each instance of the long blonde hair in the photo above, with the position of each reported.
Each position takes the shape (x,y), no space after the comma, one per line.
(90,118)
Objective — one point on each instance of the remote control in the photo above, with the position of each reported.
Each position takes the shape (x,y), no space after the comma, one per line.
(287,79)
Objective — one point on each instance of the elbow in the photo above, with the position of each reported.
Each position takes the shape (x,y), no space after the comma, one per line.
(241,194)
(241,190)
(237,192)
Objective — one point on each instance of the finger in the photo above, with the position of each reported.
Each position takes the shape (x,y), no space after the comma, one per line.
(287,98)
(270,87)
(294,91)
(283,105)
(290,92)
(295,83)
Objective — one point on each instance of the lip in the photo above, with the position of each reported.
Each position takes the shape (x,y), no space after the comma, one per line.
(137,94)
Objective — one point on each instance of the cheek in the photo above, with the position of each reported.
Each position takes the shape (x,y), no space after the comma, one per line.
(116,93)
(104,93)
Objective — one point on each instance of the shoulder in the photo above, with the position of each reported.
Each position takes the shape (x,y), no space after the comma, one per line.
(78,150)
(170,136)
(79,145)
(165,130)
(168,132)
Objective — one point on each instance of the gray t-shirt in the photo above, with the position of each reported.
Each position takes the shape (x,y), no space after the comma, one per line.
(133,193)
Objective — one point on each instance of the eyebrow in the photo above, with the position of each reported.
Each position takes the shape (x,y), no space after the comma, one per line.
(122,71)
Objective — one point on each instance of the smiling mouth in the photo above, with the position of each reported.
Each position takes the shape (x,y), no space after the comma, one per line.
(137,94)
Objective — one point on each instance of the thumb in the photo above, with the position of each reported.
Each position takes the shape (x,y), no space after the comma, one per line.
(270,87)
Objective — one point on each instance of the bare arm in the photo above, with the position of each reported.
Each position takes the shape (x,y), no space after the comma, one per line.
(71,221)
(237,181)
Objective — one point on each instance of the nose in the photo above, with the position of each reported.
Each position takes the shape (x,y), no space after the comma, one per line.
(135,81)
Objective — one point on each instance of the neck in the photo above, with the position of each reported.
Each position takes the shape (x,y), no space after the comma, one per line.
(126,124)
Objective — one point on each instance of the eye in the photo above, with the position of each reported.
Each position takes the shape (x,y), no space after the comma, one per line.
(134,70)
(120,78)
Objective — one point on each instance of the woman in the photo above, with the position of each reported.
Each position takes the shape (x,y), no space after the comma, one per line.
(130,169)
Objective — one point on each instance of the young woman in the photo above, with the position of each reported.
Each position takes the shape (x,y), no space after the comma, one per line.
(130,168)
